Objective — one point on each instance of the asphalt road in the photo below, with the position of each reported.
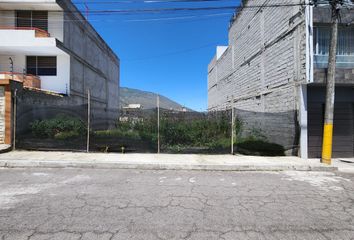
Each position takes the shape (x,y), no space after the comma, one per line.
(63,204)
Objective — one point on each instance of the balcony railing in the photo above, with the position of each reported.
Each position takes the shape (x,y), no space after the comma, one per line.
(38,32)
(28,80)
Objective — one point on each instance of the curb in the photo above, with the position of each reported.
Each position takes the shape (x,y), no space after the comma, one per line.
(159,166)
(6,149)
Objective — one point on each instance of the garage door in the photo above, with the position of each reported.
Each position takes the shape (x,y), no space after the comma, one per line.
(343,130)
(2,115)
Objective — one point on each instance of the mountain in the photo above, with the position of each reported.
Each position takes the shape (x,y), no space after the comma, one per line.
(146,99)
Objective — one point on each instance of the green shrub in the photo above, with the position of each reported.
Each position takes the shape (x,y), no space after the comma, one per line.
(66,135)
(197,132)
(260,147)
(220,144)
(117,133)
(61,124)
(178,133)
(256,134)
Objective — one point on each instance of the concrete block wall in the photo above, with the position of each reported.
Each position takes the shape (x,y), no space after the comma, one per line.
(212,80)
(267,57)
(322,15)
(343,75)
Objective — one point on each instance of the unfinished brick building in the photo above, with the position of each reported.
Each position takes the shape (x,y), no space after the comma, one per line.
(273,71)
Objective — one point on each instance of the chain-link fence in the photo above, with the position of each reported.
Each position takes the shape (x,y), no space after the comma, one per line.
(57,125)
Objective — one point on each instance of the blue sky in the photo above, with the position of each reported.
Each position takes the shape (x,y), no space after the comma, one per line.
(166,56)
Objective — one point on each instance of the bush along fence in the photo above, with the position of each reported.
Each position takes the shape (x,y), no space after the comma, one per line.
(88,127)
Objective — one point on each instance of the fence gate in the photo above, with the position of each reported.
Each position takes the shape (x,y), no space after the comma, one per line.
(343,130)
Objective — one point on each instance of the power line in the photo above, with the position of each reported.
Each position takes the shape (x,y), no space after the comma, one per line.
(122,1)
(160,10)
(183,17)
(169,11)
(149,1)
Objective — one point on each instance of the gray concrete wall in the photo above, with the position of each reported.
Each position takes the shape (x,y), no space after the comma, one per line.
(94,65)
(262,70)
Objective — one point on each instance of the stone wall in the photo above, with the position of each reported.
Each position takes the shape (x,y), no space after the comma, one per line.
(262,69)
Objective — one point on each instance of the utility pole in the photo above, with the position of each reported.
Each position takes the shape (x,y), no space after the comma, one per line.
(330,85)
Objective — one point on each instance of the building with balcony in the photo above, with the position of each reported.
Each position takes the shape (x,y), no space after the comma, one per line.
(273,71)
(48,45)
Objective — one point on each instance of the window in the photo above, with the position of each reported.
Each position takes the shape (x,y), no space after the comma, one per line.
(345,46)
(41,66)
(35,19)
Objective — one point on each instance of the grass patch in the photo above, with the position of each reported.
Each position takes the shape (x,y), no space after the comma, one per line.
(66,135)
(117,133)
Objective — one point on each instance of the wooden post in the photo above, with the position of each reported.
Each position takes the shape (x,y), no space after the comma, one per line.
(88,120)
(158,123)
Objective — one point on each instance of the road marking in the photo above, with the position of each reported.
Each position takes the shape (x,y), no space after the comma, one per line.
(192,180)
(40,174)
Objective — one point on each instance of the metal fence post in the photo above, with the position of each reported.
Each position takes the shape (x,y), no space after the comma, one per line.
(14,120)
(88,120)
(158,123)
(232,130)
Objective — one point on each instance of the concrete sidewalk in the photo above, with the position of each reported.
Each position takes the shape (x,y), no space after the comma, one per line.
(344,164)
(29,159)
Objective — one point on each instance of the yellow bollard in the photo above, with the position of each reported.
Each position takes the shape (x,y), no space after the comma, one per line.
(327,144)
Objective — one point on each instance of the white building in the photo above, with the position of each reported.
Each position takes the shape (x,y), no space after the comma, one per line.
(48,44)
